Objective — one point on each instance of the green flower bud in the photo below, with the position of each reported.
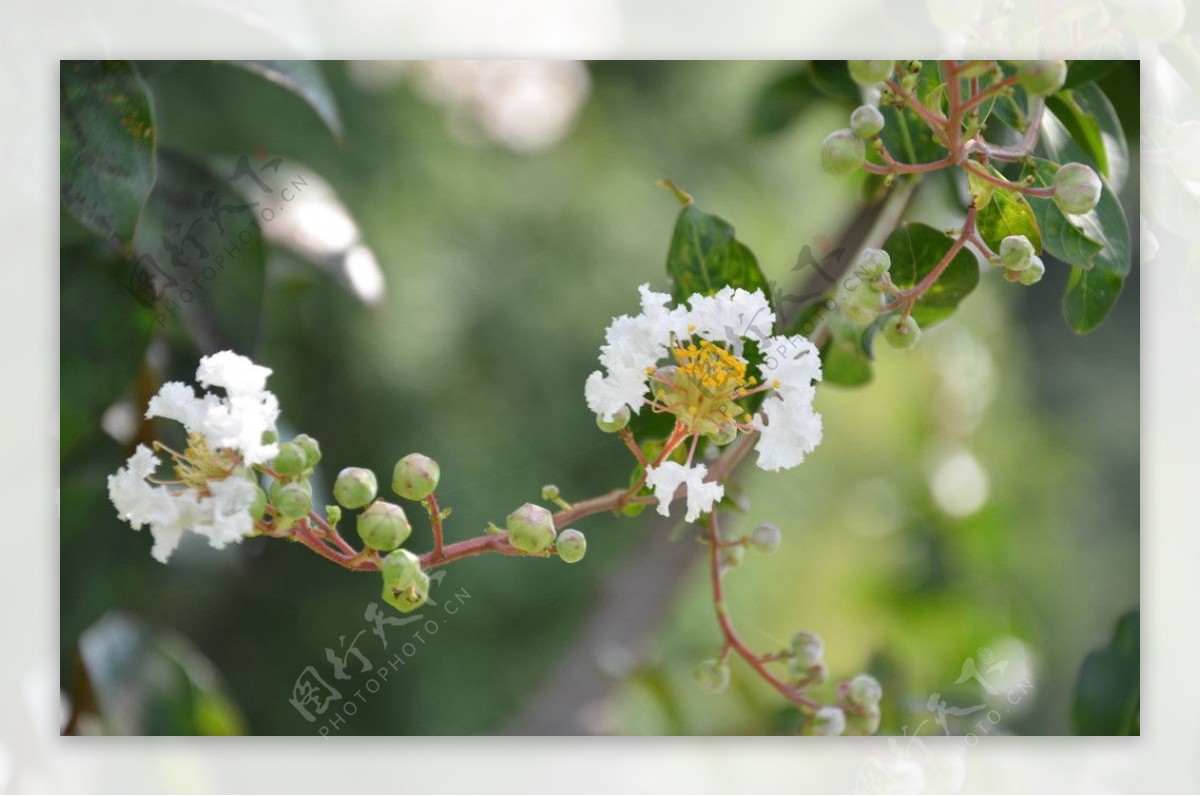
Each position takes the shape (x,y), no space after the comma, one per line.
(1016,252)
(269,436)
(730,557)
(355,487)
(864,691)
(807,650)
(291,500)
(415,476)
(531,528)
(1033,274)
(551,492)
(712,676)
(311,448)
(408,598)
(276,486)
(872,264)
(290,461)
(259,506)
(383,526)
(866,121)
(401,569)
(902,333)
(571,546)
(1041,78)
(867,73)
(842,152)
(861,305)
(766,538)
(829,721)
(619,421)
(725,434)
(333,514)
(864,721)
(1076,188)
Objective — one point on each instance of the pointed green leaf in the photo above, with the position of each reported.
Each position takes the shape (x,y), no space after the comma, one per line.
(843,360)
(1092,122)
(106,146)
(705,256)
(915,250)
(1079,72)
(304,79)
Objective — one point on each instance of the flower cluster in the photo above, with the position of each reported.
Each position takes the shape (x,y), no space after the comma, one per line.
(214,492)
(692,361)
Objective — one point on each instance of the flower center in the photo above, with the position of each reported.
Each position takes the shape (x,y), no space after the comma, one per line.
(711,367)
(704,386)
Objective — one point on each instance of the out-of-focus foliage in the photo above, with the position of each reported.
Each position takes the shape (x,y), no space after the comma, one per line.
(980,493)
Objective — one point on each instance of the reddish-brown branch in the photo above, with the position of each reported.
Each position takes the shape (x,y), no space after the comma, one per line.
(983,96)
(908,297)
(1000,182)
(435,520)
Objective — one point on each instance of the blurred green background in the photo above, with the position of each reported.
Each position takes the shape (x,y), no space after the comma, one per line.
(981,493)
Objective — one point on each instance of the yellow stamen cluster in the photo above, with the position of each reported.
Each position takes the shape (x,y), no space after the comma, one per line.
(711,367)
(199,464)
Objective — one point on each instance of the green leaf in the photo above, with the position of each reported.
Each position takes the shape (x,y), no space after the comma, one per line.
(142,682)
(1008,213)
(782,101)
(832,78)
(200,251)
(705,256)
(1092,122)
(907,137)
(1108,691)
(105,331)
(106,146)
(304,79)
(1079,72)
(843,360)
(915,250)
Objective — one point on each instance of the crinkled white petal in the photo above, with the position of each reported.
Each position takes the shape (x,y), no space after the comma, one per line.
(793,361)
(236,373)
(701,495)
(239,422)
(791,430)
(137,501)
(225,517)
(731,314)
(177,401)
(168,531)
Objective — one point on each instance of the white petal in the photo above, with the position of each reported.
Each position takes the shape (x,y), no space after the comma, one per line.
(701,495)
(792,361)
(176,401)
(790,430)
(236,373)
(225,517)
(731,314)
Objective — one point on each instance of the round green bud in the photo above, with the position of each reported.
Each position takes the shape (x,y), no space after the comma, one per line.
(415,476)
(712,676)
(864,721)
(408,598)
(277,486)
(864,690)
(1040,78)
(842,152)
(551,492)
(269,436)
(902,333)
(872,264)
(401,569)
(862,305)
(1076,188)
(259,505)
(383,526)
(571,546)
(1016,252)
(291,500)
(1034,273)
(311,448)
(867,73)
(333,514)
(290,461)
(866,121)
(531,528)
(620,419)
(807,649)
(766,538)
(730,557)
(829,721)
(355,487)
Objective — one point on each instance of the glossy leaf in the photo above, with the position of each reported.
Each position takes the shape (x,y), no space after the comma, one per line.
(1008,213)
(106,146)
(200,254)
(907,137)
(104,336)
(915,250)
(1108,691)
(1079,72)
(304,79)
(1092,122)
(705,256)
(843,360)
(144,682)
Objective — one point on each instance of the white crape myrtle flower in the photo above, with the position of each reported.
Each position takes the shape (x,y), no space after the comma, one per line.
(690,360)
(701,495)
(212,494)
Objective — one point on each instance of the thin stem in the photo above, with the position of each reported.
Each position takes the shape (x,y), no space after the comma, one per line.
(989,92)
(627,437)
(908,297)
(732,639)
(435,519)
(1028,190)
(931,117)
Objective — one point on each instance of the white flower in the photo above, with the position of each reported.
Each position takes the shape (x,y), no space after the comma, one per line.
(225,517)
(731,314)
(236,421)
(701,495)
